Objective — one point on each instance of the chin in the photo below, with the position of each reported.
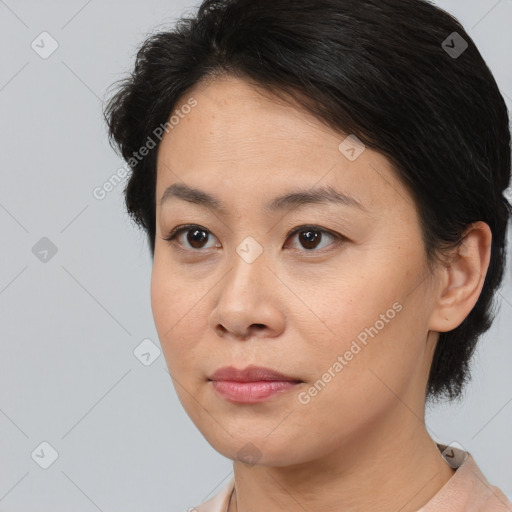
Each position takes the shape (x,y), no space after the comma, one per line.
(253,449)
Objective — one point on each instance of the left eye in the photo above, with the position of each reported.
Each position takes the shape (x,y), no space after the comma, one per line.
(310,237)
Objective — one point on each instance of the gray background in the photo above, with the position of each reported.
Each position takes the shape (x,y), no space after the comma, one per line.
(70,325)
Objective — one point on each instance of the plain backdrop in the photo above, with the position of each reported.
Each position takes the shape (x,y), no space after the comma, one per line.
(76,395)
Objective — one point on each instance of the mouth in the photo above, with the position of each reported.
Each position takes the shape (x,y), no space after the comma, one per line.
(252,384)
(251,373)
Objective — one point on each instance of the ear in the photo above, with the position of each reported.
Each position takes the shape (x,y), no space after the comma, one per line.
(462,280)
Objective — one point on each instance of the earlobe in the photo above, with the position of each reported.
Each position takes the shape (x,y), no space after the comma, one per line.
(463,278)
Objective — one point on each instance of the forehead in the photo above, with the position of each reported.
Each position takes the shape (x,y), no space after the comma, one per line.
(229,111)
(238,136)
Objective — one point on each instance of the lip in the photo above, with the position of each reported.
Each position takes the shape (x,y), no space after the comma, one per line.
(252,384)
(251,373)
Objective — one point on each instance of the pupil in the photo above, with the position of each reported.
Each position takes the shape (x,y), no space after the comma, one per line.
(193,239)
(311,238)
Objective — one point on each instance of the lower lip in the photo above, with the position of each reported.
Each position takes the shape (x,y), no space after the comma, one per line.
(251,392)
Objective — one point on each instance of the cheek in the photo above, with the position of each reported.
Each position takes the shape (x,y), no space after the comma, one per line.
(163,300)
(376,328)
(172,297)
(180,319)
(169,312)
(338,307)
(354,384)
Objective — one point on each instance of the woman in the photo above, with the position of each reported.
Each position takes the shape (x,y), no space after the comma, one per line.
(322,184)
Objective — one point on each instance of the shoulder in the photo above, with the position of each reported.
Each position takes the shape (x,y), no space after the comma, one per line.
(468,491)
(217,503)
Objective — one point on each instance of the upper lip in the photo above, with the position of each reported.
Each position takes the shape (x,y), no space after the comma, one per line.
(251,373)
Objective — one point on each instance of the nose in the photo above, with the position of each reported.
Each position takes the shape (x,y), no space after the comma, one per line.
(246,302)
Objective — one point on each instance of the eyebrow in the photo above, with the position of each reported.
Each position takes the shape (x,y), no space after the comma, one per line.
(318,195)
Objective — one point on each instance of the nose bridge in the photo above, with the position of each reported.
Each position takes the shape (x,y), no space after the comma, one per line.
(248,264)
(250,250)
(244,298)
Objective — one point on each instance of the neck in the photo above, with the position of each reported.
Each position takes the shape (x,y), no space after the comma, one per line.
(394,470)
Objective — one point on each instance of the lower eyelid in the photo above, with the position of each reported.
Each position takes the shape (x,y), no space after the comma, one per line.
(336,241)
(174,237)
(178,231)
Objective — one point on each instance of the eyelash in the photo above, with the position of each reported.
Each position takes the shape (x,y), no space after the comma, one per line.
(187,227)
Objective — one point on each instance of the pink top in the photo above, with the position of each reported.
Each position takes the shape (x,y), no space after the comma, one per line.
(466,491)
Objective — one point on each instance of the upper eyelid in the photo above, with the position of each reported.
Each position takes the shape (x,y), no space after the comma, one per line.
(178,230)
(186,227)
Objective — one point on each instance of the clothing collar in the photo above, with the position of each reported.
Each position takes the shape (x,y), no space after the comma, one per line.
(467,490)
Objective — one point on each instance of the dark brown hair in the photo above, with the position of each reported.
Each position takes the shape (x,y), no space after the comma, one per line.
(402,75)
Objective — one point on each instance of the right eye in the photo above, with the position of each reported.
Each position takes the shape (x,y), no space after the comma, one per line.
(196,237)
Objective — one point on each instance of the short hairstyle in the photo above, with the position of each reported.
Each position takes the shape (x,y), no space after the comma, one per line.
(397,74)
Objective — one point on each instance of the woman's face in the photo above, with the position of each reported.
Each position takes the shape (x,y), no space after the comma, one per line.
(344,307)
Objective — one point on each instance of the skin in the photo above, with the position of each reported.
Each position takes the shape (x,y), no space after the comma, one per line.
(361,443)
